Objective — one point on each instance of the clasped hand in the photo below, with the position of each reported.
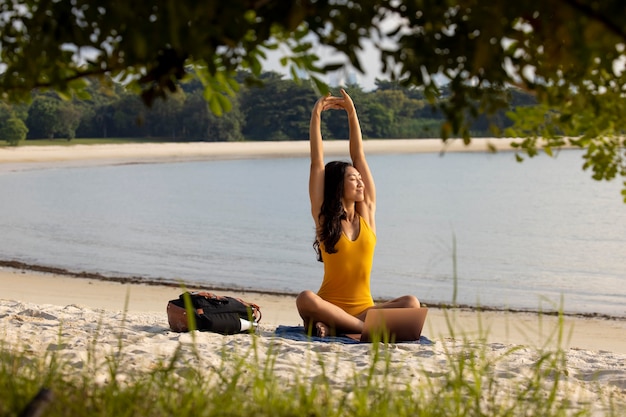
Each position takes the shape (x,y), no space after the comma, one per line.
(330,102)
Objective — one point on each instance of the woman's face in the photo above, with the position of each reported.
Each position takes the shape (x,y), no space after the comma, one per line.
(353,187)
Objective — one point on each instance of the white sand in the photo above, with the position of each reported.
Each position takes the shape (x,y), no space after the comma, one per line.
(24,157)
(73,317)
(496,326)
(79,318)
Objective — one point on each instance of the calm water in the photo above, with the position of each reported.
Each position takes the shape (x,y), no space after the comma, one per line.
(526,234)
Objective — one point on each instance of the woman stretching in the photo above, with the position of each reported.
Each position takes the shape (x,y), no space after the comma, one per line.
(343,205)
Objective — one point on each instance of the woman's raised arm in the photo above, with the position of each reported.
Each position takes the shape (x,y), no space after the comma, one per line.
(366,208)
(316,176)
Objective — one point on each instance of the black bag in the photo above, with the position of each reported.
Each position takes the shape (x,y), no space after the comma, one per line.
(212,313)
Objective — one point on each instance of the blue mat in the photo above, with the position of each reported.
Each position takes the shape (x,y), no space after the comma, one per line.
(297,333)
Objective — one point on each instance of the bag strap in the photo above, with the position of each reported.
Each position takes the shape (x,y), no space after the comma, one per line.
(208,295)
(256,310)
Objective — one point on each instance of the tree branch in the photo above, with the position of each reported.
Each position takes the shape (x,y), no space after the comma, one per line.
(590,12)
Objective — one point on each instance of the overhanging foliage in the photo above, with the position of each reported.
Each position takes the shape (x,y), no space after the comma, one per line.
(569,53)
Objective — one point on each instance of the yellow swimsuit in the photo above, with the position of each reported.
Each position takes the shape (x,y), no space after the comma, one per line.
(347,272)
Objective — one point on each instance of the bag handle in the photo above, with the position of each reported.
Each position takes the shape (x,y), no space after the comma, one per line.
(256,310)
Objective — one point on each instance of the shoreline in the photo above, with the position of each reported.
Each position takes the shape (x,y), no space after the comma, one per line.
(41,157)
(533,329)
(23,268)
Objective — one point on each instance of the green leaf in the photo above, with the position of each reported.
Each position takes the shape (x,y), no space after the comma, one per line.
(255,66)
(548,150)
(565,118)
(64,95)
(446,129)
(82,95)
(208,92)
(303,47)
(294,74)
(234,85)
(466,137)
(321,88)
(331,67)
(215,105)
(225,103)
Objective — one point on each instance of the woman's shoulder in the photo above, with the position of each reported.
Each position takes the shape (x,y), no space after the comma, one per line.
(367,224)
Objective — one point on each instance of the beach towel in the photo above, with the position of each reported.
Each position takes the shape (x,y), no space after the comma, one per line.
(299,334)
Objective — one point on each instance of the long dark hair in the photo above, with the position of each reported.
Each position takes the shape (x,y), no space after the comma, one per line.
(332,211)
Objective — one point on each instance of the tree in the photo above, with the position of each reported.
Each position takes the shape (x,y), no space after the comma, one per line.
(12,127)
(164,117)
(42,117)
(5,112)
(568,53)
(195,117)
(13,130)
(227,127)
(97,110)
(68,119)
(279,110)
(128,117)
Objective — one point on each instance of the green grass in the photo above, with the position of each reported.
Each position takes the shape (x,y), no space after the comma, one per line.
(245,383)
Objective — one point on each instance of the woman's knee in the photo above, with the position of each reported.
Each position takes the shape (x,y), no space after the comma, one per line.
(306,300)
(410,301)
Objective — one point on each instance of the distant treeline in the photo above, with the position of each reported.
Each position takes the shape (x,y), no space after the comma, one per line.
(279,110)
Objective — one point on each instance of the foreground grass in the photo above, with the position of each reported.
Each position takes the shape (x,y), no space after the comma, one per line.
(245,383)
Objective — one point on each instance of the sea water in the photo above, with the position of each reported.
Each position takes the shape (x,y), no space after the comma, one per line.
(470,228)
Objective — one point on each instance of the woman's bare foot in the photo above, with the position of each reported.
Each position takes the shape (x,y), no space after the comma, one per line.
(321,329)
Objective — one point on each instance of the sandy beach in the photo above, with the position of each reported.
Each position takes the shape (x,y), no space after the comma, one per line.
(531,328)
(42,312)
(30,157)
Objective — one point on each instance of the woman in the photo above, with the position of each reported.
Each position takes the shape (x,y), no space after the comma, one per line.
(343,205)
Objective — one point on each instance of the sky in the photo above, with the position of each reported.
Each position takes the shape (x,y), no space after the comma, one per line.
(370,62)
(369,56)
